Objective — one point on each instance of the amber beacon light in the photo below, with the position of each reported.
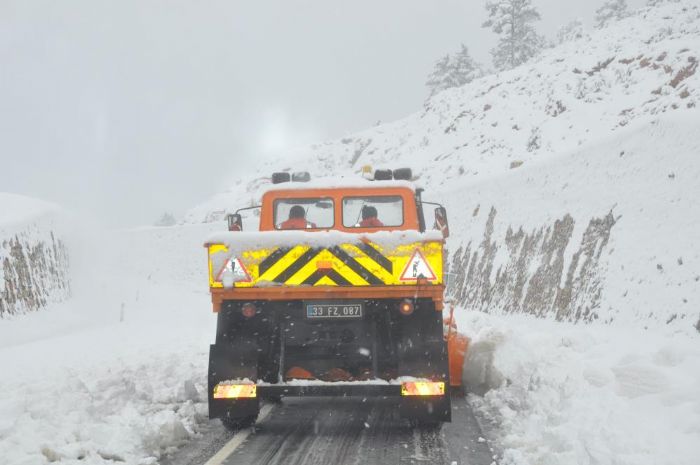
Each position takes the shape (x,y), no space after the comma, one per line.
(235,391)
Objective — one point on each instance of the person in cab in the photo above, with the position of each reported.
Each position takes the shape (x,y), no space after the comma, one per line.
(369,218)
(297,219)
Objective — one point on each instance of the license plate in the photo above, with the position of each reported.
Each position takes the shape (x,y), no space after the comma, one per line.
(334,310)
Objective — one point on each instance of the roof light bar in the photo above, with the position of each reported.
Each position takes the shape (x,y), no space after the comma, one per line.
(399,174)
(383,175)
(280,177)
(301,176)
(403,174)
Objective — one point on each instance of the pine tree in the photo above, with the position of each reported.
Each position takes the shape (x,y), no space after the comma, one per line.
(519,41)
(571,31)
(611,10)
(453,71)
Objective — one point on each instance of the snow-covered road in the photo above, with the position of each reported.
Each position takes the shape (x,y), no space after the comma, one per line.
(341,431)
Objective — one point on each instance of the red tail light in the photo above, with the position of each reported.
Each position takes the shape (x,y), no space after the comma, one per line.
(249,310)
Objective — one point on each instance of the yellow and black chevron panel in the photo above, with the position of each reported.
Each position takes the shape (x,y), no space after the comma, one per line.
(348,264)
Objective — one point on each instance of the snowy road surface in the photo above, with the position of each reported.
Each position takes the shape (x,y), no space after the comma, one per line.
(341,431)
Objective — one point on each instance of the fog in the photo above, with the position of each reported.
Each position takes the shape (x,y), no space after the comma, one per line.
(123,110)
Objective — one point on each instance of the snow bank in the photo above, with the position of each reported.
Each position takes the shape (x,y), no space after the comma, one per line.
(564,394)
(125,412)
(118,373)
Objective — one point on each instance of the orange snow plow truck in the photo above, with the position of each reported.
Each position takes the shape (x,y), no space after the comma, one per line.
(339,292)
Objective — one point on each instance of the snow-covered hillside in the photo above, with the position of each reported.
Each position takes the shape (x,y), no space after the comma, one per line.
(33,256)
(570,181)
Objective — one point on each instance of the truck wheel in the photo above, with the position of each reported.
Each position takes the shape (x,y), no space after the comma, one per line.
(457,392)
(236,424)
(272,399)
(426,425)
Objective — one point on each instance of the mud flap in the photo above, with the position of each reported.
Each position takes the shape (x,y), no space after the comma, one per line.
(426,409)
(423,354)
(230,361)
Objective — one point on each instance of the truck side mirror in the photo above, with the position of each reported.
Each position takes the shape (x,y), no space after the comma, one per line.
(235,222)
(441,222)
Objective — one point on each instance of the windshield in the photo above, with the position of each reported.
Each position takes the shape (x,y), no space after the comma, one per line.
(304,213)
(372,211)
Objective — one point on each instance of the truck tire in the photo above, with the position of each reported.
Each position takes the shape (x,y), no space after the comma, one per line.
(272,399)
(235,424)
(426,425)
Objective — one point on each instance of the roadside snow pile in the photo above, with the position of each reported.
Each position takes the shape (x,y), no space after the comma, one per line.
(118,373)
(33,255)
(585,394)
(126,412)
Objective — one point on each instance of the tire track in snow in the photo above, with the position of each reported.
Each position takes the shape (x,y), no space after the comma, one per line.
(349,431)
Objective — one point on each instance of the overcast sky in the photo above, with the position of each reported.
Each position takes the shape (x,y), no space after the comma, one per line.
(125,109)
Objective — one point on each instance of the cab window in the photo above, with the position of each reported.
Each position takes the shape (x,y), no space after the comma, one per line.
(304,213)
(373,211)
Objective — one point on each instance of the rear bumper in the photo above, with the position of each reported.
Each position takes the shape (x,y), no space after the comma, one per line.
(283,293)
(377,351)
(423,408)
(330,389)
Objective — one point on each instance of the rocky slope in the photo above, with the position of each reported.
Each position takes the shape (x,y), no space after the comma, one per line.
(33,257)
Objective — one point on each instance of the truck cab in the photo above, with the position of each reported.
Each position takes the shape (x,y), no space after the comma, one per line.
(338,292)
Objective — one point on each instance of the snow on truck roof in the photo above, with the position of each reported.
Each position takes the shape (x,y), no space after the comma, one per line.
(339,183)
(240,241)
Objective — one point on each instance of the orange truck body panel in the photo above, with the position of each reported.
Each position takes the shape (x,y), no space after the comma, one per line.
(410,223)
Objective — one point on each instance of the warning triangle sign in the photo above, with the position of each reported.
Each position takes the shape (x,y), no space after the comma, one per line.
(417,268)
(235,269)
